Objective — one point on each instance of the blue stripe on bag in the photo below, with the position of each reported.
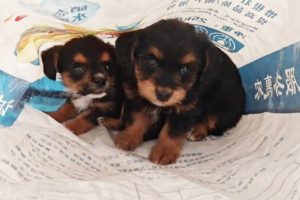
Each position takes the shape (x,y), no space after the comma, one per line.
(43,94)
(272,83)
(46,95)
(12,101)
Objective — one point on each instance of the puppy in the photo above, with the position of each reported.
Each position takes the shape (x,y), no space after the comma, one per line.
(88,69)
(177,81)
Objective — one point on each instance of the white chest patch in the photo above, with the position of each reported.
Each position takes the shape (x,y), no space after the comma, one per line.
(82,103)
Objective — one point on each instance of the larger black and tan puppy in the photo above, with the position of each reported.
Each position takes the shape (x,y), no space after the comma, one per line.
(176,75)
(89,71)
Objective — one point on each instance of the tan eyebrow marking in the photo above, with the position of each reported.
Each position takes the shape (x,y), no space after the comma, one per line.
(156,52)
(188,58)
(80,58)
(105,57)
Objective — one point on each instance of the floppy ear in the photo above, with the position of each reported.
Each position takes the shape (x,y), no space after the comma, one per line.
(214,58)
(50,59)
(214,62)
(124,49)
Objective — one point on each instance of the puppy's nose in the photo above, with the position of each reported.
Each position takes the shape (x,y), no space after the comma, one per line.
(100,82)
(163,95)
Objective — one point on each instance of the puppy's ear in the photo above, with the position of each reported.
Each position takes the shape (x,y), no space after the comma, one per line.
(125,47)
(213,61)
(214,57)
(217,65)
(50,59)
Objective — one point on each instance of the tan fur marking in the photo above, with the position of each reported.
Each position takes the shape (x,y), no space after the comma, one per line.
(64,113)
(164,89)
(199,132)
(105,57)
(111,123)
(156,52)
(188,58)
(168,149)
(75,86)
(147,89)
(201,129)
(132,136)
(211,122)
(178,95)
(80,58)
(79,125)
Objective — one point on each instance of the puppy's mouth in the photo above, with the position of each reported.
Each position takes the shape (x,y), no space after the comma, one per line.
(95,89)
(163,98)
(172,101)
(160,96)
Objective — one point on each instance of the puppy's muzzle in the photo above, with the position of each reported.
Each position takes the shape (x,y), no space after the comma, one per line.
(100,82)
(163,95)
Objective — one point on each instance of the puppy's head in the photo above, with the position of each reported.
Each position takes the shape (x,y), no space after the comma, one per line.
(87,65)
(167,59)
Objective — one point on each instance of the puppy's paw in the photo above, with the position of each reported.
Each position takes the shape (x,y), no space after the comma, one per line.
(164,154)
(127,141)
(199,132)
(110,123)
(77,127)
(196,135)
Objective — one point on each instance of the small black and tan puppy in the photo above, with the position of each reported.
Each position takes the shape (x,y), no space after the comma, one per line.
(89,72)
(176,77)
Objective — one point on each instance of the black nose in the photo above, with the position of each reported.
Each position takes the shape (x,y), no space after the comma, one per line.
(100,82)
(163,95)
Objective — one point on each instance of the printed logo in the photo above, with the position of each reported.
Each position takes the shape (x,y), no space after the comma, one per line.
(71,11)
(221,39)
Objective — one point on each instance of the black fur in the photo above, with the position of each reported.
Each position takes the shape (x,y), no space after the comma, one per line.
(213,82)
(60,59)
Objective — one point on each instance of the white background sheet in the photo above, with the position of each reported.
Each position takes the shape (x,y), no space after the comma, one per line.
(259,159)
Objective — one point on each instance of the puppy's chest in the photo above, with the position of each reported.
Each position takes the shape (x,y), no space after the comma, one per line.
(156,114)
(84,102)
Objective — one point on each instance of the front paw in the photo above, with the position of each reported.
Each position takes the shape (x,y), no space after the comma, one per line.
(77,126)
(110,123)
(164,154)
(127,141)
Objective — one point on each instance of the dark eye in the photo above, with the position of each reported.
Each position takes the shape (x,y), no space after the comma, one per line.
(150,61)
(108,66)
(185,70)
(78,70)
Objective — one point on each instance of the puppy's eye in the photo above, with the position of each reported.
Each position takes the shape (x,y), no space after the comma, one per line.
(107,67)
(152,62)
(78,70)
(185,70)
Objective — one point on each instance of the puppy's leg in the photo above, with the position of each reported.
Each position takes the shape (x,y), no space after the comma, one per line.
(111,123)
(81,123)
(132,136)
(202,128)
(168,148)
(64,113)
